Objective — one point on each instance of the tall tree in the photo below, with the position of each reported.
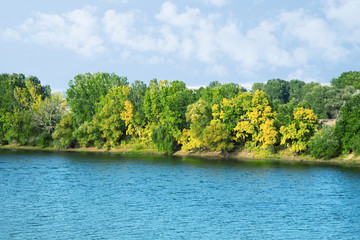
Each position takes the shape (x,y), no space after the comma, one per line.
(257,124)
(277,89)
(86,90)
(347,128)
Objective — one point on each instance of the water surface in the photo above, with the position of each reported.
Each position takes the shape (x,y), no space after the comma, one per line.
(46,195)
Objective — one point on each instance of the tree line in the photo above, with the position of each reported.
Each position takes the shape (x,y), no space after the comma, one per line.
(103,110)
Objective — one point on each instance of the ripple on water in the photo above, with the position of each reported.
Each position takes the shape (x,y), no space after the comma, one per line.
(100,196)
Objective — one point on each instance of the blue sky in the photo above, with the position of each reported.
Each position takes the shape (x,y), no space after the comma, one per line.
(195,41)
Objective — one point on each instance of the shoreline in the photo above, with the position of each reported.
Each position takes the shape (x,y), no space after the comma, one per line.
(283,156)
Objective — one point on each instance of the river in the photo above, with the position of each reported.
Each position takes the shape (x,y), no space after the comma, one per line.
(59,195)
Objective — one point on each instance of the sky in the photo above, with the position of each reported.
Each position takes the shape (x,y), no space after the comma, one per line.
(198,41)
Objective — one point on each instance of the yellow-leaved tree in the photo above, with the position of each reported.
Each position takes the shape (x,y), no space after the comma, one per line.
(256,125)
(296,136)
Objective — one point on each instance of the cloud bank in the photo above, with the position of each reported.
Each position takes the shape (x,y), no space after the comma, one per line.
(291,39)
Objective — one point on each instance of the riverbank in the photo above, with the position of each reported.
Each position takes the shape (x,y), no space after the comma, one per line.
(284,156)
(91,150)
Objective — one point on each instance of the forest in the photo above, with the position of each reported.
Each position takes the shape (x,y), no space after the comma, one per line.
(103,110)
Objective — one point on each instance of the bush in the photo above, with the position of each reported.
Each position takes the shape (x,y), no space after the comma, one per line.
(325,144)
(164,140)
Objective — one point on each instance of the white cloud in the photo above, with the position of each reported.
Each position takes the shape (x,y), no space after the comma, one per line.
(76,30)
(217,3)
(345,11)
(346,17)
(168,14)
(313,34)
(292,39)
(11,34)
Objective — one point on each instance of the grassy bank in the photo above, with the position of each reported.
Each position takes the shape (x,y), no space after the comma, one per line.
(282,156)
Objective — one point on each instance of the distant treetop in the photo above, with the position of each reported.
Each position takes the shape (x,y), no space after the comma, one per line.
(351,78)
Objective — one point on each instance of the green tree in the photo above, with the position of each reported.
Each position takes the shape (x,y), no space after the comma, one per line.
(347,128)
(216,92)
(257,87)
(164,140)
(85,91)
(316,98)
(63,135)
(295,90)
(114,114)
(351,78)
(166,103)
(199,115)
(8,84)
(277,89)
(46,117)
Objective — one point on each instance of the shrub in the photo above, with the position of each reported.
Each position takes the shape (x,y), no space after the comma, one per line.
(325,144)
(164,140)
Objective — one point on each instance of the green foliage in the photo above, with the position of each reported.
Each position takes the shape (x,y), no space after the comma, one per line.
(64,132)
(325,144)
(257,87)
(351,78)
(347,128)
(280,90)
(19,128)
(2,126)
(199,112)
(88,134)
(316,98)
(295,90)
(232,111)
(111,116)
(8,84)
(104,112)
(164,139)
(85,91)
(166,103)
(277,89)
(20,99)
(46,117)
(137,93)
(325,101)
(284,112)
(216,92)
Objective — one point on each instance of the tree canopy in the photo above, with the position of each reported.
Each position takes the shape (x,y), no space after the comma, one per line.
(86,90)
(102,110)
(351,78)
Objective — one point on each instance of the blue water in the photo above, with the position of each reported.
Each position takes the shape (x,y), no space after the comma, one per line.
(102,196)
